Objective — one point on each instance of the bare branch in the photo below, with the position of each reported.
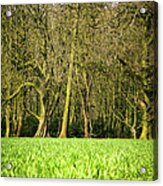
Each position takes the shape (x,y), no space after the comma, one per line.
(122,120)
(19,89)
(33,114)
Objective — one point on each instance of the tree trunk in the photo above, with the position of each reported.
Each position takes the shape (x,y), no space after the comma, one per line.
(39,131)
(7,117)
(144,133)
(133,129)
(63,133)
(14,117)
(86,128)
(83,107)
(14,124)
(113,109)
(149,132)
(45,128)
(19,123)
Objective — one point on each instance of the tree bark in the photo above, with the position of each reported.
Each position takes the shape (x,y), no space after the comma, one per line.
(7,117)
(144,133)
(63,133)
(14,124)
(86,128)
(41,118)
(133,129)
(19,123)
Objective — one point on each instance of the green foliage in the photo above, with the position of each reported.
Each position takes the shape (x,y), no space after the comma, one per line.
(78,158)
(91,64)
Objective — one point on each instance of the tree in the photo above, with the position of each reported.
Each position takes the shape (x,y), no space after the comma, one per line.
(83,68)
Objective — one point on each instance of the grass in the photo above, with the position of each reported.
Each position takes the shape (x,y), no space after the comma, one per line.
(78,158)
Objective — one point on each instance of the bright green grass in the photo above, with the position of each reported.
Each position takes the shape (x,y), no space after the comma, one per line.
(78,158)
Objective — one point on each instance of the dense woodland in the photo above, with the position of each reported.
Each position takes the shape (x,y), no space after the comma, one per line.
(79,70)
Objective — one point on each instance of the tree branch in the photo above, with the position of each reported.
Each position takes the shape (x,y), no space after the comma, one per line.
(33,114)
(122,120)
(19,89)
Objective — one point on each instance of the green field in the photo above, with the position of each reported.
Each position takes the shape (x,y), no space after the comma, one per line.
(78,158)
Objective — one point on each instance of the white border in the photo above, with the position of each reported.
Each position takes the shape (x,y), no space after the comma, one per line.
(3,2)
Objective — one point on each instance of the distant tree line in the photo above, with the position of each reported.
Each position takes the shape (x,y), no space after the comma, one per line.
(79,70)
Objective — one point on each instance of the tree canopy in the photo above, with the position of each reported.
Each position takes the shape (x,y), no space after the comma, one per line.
(79,70)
